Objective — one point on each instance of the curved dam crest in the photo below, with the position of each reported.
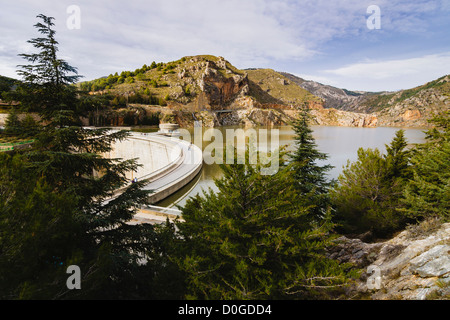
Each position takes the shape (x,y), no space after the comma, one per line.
(167,163)
(152,153)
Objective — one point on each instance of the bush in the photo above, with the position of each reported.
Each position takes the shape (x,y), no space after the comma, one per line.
(369,193)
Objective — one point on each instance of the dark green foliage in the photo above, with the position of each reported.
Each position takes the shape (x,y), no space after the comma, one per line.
(428,193)
(16,128)
(12,123)
(310,177)
(368,196)
(46,81)
(6,84)
(253,240)
(154,84)
(58,200)
(36,234)
(30,127)
(398,158)
(152,119)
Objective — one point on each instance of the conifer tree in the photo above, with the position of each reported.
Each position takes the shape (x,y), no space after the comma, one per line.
(252,240)
(310,177)
(397,157)
(428,192)
(368,196)
(62,197)
(46,81)
(13,123)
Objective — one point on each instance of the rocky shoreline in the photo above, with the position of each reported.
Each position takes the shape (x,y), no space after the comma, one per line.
(414,265)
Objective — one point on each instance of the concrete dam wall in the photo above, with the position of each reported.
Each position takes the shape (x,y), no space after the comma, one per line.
(168,164)
(153,155)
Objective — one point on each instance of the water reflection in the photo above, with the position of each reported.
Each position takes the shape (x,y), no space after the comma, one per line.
(340,143)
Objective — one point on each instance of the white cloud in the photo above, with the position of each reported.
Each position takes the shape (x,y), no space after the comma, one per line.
(391,74)
(122,35)
(131,33)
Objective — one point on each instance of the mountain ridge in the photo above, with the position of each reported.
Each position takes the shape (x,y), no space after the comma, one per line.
(212,83)
(212,89)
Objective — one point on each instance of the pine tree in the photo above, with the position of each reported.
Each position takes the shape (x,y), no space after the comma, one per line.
(13,123)
(428,192)
(46,81)
(397,157)
(64,193)
(252,240)
(310,177)
(30,127)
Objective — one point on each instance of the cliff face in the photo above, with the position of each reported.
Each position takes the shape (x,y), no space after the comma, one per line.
(253,97)
(213,83)
(418,108)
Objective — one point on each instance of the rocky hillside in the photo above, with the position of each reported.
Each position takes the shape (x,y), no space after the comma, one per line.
(414,265)
(211,89)
(412,107)
(333,97)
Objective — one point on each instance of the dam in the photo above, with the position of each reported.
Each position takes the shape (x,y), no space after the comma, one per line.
(166,163)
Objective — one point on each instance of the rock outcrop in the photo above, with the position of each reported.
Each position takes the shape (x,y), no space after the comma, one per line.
(208,83)
(414,265)
(221,90)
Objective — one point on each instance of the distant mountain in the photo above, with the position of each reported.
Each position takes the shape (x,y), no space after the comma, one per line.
(429,98)
(208,83)
(333,97)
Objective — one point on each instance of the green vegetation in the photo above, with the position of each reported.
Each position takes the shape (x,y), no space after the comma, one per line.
(22,129)
(142,86)
(6,84)
(259,237)
(255,239)
(311,180)
(382,193)
(428,192)
(367,197)
(55,201)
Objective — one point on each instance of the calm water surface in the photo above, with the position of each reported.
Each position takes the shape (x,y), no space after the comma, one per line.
(340,143)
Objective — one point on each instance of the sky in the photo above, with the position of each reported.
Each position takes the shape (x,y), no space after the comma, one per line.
(376,45)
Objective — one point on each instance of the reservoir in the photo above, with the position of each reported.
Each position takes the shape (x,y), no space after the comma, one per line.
(339,143)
